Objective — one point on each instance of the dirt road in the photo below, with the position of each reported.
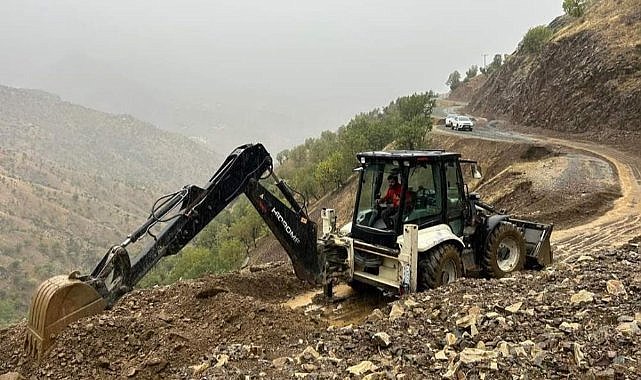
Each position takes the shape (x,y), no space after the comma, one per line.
(619,225)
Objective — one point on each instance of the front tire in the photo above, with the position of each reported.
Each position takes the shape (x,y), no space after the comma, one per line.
(439,266)
(505,251)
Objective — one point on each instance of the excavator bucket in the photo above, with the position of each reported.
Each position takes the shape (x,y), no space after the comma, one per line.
(56,303)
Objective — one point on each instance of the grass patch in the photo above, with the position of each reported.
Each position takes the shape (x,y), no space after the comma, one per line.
(616,22)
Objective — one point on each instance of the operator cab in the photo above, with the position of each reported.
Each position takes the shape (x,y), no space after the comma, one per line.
(432,193)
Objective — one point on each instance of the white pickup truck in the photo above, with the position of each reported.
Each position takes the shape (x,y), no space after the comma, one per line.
(462,123)
(449,120)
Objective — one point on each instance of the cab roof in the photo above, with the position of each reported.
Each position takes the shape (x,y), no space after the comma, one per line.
(408,155)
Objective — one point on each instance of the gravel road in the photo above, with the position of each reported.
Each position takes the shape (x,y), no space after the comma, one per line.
(615,227)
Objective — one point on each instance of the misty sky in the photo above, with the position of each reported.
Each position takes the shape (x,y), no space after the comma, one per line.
(308,65)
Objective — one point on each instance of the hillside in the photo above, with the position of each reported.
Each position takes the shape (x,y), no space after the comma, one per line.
(466,90)
(580,317)
(577,319)
(73,182)
(587,79)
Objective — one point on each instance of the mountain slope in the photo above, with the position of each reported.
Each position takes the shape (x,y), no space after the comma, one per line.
(586,79)
(83,139)
(73,182)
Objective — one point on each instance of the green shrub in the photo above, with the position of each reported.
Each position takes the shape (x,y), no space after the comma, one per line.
(574,8)
(536,38)
(454,80)
(10,312)
(324,164)
(471,73)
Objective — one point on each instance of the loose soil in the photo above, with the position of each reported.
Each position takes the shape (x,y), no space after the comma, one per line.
(578,319)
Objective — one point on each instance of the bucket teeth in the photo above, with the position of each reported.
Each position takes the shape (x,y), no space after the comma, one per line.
(56,303)
(33,345)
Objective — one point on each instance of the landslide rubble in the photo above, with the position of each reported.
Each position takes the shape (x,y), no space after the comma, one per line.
(579,319)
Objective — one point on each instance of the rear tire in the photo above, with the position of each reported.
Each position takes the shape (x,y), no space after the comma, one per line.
(438,266)
(505,252)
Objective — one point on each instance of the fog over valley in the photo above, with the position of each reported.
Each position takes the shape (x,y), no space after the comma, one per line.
(232,72)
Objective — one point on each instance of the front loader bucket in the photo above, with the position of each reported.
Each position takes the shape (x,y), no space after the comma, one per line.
(537,242)
(56,303)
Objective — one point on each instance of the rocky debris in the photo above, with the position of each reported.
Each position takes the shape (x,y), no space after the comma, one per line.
(12,376)
(396,312)
(382,339)
(280,363)
(582,297)
(514,307)
(629,328)
(615,287)
(309,354)
(525,327)
(362,368)
(569,327)
(376,315)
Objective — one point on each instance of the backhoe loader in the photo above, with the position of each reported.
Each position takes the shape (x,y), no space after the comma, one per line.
(439,233)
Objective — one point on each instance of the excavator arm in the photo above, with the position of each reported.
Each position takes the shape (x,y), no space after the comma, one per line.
(63,299)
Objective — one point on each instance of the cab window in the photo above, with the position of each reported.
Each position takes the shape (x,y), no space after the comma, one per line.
(424,189)
(455,197)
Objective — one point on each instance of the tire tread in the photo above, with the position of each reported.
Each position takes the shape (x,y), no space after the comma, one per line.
(429,265)
(489,261)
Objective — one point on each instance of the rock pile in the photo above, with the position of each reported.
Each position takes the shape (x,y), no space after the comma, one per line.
(580,319)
